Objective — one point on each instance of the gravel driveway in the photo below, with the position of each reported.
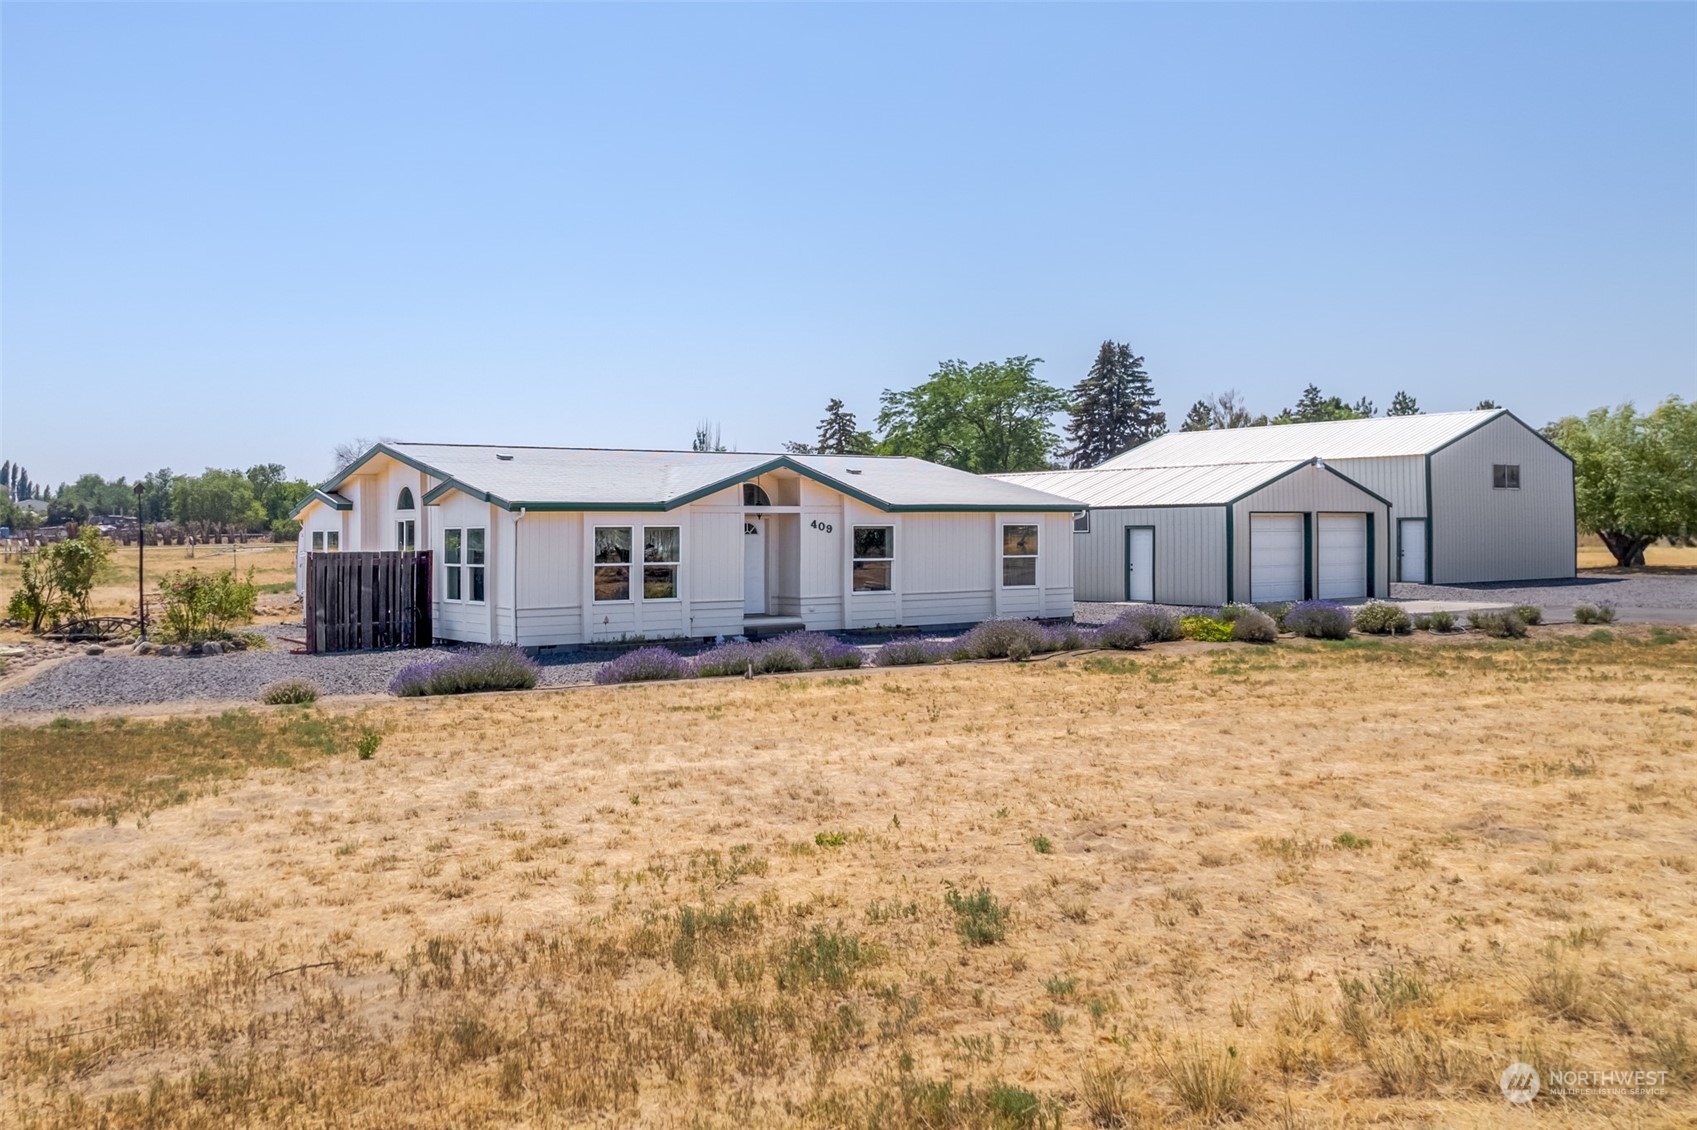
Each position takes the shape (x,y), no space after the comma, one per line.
(1652,598)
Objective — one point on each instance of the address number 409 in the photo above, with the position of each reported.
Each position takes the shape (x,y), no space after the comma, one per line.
(822,527)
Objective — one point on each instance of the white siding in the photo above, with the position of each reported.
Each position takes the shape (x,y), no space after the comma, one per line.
(1311,491)
(1481,533)
(1402,479)
(1190,554)
(463,620)
(949,565)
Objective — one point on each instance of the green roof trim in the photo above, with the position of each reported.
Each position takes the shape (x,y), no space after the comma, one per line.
(328,498)
(343,475)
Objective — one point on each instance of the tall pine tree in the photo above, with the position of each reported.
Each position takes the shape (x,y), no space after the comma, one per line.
(1113,408)
(1403,404)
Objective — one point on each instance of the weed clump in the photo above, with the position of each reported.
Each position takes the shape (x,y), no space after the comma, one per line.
(1501,625)
(289,692)
(1439,621)
(980,919)
(1529,613)
(1603,612)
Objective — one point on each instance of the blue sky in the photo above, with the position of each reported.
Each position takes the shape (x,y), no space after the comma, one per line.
(244,233)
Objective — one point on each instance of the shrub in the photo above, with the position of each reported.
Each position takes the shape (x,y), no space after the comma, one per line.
(1277,610)
(1069,637)
(1160,625)
(775,657)
(1230,612)
(727,659)
(56,579)
(1603,612)
(645,664)
(1439,621)
(994,639)
(1382,618)
(1254,626)
(1205,628)
(1529,613)
(200,606)
(369,740)
(1502,625)
(840,656)
(911,653)
(289,692)
(499,668)
(1318,620)
(1126,632)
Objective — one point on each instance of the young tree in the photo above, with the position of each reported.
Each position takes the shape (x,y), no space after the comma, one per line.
(706,437)
(56,579)
(345,453)
(1200,418)
(156,495)
(1113,408)
(1403,404)
(987,418)
(1634,477)
(840,433)
(1485,405)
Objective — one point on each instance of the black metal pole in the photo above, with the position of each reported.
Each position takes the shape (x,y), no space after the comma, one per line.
(141,567)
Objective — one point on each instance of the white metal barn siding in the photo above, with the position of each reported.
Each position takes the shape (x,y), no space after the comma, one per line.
(1341,556)
(1276,557)
(1480,532)
(1314,490)
(1190,554)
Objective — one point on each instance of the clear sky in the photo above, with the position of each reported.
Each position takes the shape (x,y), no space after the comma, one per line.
(242,233)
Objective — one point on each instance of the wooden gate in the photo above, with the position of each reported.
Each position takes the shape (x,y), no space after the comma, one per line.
(360,601)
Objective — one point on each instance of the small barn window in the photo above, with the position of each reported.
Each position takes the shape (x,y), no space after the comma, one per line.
(753,494)
(405,501)
(612,563)
(874,551)
(661,551)
(1081,521)
(452,564)
(1019,556)
(1505,476)
(332,541)
(318,541)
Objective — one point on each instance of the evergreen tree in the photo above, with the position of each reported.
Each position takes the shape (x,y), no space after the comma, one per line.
(840,434)
(1403,404)
(1200,418)
(1113,407)
(1485,405)
(1314,405)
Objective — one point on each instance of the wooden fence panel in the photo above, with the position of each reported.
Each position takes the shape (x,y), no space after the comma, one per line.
(361,601)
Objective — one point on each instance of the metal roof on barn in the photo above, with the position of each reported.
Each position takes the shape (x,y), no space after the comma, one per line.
(1380,437)
(1124,487)
(574,478)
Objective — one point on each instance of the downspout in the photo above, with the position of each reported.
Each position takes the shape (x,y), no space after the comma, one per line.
(516,519)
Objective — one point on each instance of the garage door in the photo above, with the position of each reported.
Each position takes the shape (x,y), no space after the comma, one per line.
(1275,557)
(1342,551)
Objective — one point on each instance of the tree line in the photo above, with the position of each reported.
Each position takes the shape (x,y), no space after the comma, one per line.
(257,500)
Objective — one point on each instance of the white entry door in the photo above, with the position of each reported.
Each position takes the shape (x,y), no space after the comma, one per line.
(1140,564)
(1275,557)
(753,567)
(1412,552)
(1341,547)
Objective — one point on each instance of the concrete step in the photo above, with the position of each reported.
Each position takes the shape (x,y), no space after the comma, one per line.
(760,627)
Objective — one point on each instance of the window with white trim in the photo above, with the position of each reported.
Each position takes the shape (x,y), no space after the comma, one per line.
(1019,556)
(463,564)
(406,535)
(661,550)
(1505,476)
(612,563)
(332,541)
(874,555)
(1081,521)
(318,541)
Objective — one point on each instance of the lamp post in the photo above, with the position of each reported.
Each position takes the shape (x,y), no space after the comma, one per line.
(141,567)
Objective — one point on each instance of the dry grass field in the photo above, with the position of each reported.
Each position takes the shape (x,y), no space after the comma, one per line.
(115,595)
(1671,558)
(1315,886)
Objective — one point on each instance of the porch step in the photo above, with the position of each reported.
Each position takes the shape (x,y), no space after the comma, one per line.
(758,627)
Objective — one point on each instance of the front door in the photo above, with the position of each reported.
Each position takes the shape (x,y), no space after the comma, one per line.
(754,567)
(1140,564)
(1411,550)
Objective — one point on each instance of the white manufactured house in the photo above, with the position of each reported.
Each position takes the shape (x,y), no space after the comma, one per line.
(545,546)
(1331,510)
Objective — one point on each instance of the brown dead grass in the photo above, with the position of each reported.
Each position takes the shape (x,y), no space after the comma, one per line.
(1658,558)
(724,903)
(115,595)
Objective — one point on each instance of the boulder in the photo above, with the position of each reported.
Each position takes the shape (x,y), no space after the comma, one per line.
(94,649)
(144,648)
(212,647)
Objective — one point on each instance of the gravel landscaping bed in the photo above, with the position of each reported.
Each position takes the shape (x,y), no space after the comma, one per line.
(1631,594)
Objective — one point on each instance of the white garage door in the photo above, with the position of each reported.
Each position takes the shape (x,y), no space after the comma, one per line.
(1275,557)
(1342,551)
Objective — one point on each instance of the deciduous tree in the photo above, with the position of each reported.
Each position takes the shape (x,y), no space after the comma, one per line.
(987,418)
(1634,476)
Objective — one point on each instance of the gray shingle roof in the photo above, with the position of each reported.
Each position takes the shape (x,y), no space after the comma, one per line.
(574,478)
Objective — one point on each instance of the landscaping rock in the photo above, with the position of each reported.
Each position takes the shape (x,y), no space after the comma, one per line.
(212,647)
(144,648)
(94,649)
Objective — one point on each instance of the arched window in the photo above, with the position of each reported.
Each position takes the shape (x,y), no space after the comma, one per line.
(406,529)
(752,495)
(405,502)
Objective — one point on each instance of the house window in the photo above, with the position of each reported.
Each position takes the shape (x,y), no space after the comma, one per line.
(660,554)
(406,535)
(612,563)
(754,495)
(463,564)
(1081,521)
(474,563)
(874,550)
(318,541)
(405,501)
(1019,556)
(332,541)
(1505,476)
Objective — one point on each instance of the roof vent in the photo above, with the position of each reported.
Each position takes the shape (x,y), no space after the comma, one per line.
(852,470)
(505,456)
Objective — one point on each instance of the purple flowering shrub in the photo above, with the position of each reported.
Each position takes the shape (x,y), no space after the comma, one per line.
(998,639)
(1160,625)
(1319,620)
(1125,632)
(911,652)
(645,664)
(499,668)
